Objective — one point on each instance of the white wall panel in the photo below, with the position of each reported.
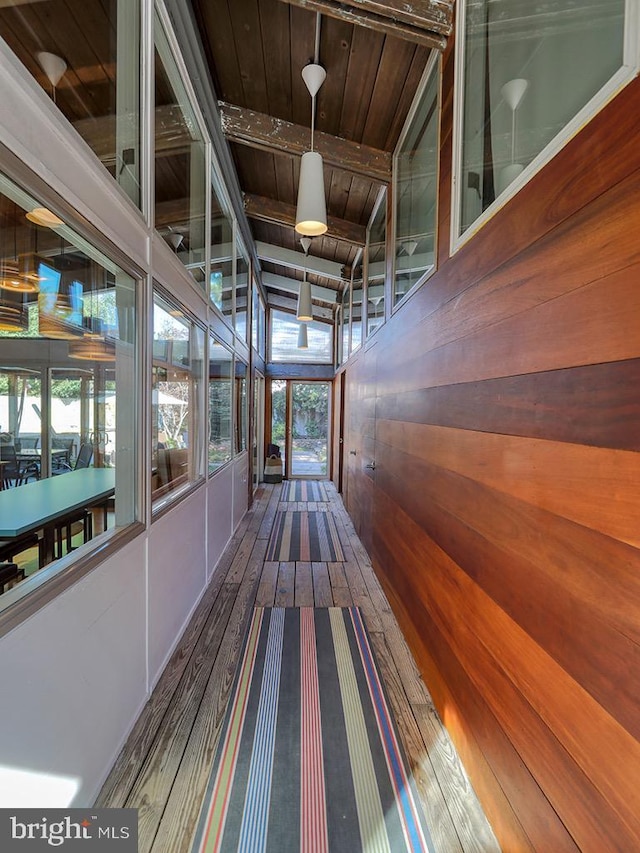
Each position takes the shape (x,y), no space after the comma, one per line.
(240,488)
(73,681)
(177,575)
(220,515)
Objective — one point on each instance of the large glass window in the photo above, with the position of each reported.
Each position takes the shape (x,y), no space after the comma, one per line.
(178,354)
(356,322)
(376,265)
(345,328)
(416,190)
(180,163)
(87,59)
(284,340)
(68,388)
(528,71)
(242,293)
(241,418)
(221,272)
(220,404)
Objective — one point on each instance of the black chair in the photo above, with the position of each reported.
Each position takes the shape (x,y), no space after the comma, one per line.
(10,548)
(9,573)
(63,530)
(83,460)
(15,470)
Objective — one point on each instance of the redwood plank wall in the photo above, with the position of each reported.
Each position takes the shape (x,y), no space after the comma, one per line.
(502,408)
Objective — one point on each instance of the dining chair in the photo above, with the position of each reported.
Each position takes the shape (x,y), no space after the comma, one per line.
(14,469)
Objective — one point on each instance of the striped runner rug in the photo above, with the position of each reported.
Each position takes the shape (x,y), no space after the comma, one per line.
(303,490)
(306,536)
(309,758)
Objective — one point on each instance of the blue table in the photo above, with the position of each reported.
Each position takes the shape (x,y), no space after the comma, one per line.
(39,505)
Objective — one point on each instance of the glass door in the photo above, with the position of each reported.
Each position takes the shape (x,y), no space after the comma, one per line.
(309,430)
(258,429)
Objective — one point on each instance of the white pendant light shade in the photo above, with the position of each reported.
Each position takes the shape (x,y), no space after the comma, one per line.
(305,308)
(513,92)
(314,76)
(52,65)
(303,340)
(508,174)
(311,213)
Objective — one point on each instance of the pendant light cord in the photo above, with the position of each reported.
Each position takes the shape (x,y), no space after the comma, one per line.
(316,59)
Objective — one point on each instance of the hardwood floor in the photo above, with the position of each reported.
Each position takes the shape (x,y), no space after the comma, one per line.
(164,767)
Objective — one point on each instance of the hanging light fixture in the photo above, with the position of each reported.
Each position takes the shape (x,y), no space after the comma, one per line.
(19,274)
(304,311)
(311,212)
(13,319)
(303,340)
(54,67)
(513,92)
(93,349)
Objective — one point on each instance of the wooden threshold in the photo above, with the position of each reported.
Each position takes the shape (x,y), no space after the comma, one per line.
(164,767)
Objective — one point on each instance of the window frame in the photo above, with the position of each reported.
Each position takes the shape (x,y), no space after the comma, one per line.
(623,76)
(434,66)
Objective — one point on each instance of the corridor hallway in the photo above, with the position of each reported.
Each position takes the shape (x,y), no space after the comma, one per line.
(165,765)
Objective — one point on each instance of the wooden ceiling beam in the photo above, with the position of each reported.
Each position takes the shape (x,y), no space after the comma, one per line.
(424,22)
(267,133)
(299,261)
(270,210)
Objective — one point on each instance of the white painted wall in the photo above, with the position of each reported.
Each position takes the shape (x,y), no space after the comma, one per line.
(240,488)
(220,515)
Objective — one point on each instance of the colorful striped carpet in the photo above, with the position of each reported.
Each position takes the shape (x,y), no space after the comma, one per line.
(309,758)
(306,536)
(303,490)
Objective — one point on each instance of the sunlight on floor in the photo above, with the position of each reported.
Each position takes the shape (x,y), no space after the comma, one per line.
(30,789)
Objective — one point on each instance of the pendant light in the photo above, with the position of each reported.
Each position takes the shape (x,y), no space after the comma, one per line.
(13,319)
(93,349)
(304,311)
(311,211)
(513,92)
(303,340)
(54,67)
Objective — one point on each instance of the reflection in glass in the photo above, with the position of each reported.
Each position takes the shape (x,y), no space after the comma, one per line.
(346,315)
(241,419)
(356,323)
(528,72)
(90,68)
(284,340)
(221,272)
(68,374)
(376,266)
(178,351)
(180,163)
(220,404)
(242,291)
(416,186)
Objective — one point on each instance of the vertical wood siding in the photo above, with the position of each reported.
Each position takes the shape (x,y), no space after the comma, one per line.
(502,408)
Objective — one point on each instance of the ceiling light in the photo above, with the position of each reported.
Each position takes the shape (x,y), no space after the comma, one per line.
(303,340)
(304,310)
(53,66)
(92,349)
(311,211)
(45,217)
(13,319)
(19,282)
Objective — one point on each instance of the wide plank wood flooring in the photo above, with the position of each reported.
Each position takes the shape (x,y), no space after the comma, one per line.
(165,764)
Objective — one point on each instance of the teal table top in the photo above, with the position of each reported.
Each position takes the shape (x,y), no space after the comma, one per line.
(31,506)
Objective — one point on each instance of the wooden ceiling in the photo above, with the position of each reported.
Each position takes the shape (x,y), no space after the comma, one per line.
(374,54)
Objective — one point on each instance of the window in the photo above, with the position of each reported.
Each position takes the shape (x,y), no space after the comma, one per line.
(258,321)
(241,419)
(284,340)
(356,322)
(97,84)
(376,264)
(242,293)
(180,163)
(178,353)
(221,272)
(220,404)
(346,316)
(416,189)
(68,386)
(527,76)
